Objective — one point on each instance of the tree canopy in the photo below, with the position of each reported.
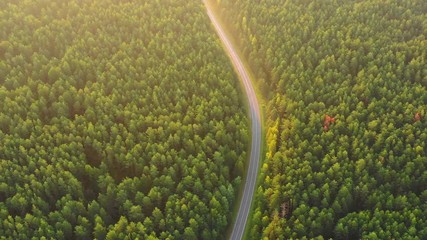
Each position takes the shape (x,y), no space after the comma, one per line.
(362,63)
(118,120)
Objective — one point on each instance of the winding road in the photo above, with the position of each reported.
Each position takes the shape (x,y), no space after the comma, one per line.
(251,176)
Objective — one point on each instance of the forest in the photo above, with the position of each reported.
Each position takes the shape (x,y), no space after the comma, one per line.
(125,119)
(345,83)
(118,120)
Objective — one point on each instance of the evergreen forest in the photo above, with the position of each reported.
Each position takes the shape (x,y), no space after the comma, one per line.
(345,84)
(118,120)
(124,119)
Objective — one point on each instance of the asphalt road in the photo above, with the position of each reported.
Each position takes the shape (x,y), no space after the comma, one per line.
(251,177)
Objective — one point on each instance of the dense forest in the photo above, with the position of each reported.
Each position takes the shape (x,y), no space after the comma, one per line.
(345,82)
(118,120)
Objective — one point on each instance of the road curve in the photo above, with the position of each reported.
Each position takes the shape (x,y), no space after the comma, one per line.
(251,177)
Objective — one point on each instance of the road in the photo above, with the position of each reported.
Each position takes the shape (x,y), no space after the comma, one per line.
(254,158)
